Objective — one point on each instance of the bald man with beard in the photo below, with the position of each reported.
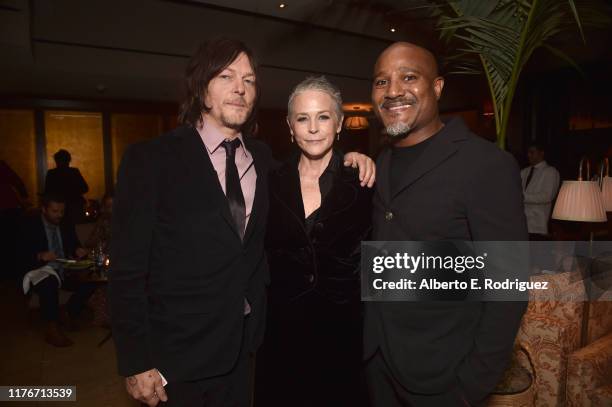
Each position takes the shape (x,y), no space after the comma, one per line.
(437,181)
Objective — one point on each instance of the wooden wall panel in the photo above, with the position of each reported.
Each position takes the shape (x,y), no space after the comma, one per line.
(128,129)
(81,134)
(18,146)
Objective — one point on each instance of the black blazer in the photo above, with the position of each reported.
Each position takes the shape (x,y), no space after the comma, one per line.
(327,261)
(462,187)
(33,240)
(180,272)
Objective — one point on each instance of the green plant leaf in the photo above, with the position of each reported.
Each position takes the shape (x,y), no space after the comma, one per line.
(502,36)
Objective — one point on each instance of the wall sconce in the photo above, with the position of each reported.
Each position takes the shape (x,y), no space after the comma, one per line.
(355,114)
(356,123)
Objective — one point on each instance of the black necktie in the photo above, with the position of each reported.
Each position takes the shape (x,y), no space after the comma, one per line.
(233,191)
(529,176)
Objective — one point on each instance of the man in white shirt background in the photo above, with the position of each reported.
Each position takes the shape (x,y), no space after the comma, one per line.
(540,187)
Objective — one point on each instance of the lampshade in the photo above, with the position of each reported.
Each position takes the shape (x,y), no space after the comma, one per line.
(356,123)
(606,193)
(580,201)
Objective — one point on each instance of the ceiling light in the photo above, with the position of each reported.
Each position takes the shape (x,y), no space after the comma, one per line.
(360,107)
(392,30)
(282,5)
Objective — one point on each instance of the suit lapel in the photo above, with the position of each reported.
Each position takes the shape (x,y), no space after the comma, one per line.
(262,173)
(341,196)
(383,185)
(441,148)
(286,187)
(193,153)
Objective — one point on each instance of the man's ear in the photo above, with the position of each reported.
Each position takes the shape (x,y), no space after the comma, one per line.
(204,100)
(438,86)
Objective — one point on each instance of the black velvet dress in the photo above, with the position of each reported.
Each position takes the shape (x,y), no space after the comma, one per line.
(312,352)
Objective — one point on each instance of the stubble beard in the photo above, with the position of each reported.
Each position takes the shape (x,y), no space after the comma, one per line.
(234,121)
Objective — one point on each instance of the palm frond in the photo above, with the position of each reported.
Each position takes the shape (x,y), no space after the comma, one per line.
(562,55)
(503,35)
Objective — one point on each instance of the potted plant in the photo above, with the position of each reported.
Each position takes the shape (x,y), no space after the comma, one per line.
(498,38)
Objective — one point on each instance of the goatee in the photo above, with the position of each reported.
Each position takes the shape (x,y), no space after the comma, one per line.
(398,130)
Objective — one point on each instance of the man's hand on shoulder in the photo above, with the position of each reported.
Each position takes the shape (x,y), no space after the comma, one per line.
(367,167)
(146,387)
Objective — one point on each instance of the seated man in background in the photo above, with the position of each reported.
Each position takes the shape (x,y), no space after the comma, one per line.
(43,240)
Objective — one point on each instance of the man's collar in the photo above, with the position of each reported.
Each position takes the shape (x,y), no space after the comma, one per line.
(213,138)
(47,224)
(540,164)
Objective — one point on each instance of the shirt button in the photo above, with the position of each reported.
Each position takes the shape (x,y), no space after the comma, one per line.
(388,216)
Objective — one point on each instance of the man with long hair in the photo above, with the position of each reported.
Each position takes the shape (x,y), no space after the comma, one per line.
(188,286)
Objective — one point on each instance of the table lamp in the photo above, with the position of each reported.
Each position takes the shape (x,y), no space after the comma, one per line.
(606,185)
(581,201)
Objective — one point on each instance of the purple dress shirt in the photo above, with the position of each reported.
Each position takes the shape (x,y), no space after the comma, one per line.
(212,139)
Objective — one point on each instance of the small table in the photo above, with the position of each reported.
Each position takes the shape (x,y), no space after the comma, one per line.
(92,274)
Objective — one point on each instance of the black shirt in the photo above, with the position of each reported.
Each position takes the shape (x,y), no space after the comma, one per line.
(402,159)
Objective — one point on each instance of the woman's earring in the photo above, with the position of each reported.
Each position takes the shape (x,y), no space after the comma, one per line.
(292,139)
(338,137)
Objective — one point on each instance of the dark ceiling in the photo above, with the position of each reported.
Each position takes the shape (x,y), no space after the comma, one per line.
(137,50)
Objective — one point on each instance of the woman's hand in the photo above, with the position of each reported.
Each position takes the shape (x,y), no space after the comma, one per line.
(367,167)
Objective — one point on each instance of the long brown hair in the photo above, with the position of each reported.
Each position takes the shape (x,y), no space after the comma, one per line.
(212,57)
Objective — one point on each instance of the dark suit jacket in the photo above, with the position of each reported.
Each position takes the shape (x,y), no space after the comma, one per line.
(180,272)
(462,187)
(327,260)
(33,240)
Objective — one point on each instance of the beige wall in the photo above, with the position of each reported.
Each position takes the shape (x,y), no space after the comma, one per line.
(128,129)
(81,134)
(18,146)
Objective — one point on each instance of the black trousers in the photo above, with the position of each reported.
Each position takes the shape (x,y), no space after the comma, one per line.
(311,355)
(232,389)
(48,292)
(386,391)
